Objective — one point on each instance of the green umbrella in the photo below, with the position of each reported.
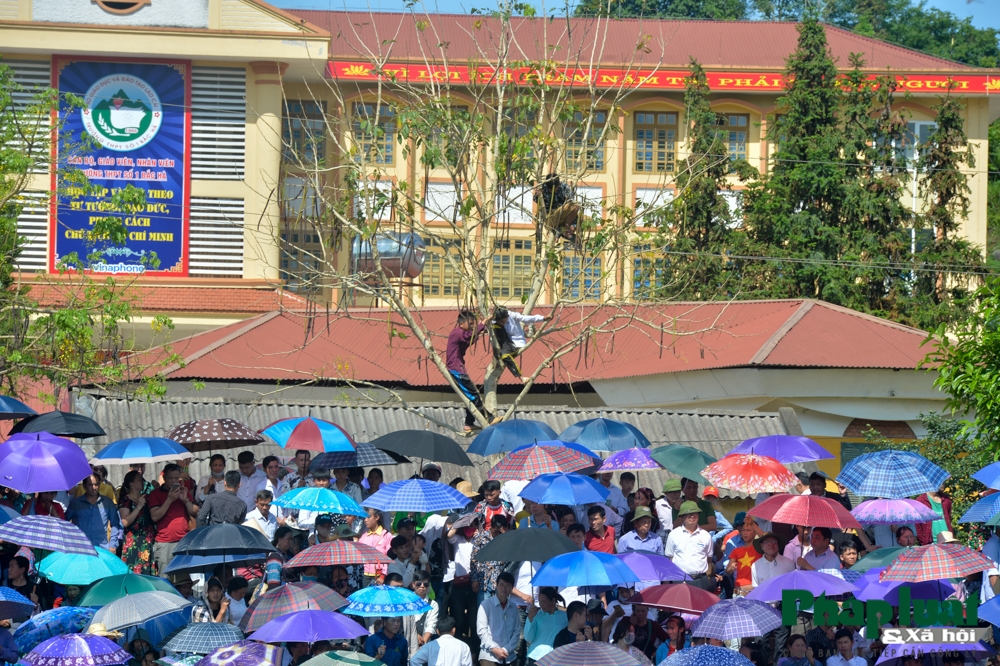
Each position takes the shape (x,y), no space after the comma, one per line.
(76,569)
(341,658)
(683,460)
(880,558)
(114,588)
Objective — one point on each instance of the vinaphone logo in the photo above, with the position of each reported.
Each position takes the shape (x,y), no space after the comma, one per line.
(122,112)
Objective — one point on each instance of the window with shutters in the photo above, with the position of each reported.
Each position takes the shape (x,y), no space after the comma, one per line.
(582,277)
(218,123)
(374,128)
(33,228)
(439,277)
(512,268)
(733,128)
(303,132)
(216,238)
(655,142)
(32,77)
(585,145)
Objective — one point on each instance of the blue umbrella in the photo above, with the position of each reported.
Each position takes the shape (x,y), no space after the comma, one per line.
(201,638)
(989,476)
(323,500)
(141,450)
(564,489)
(990,611)
(982,510)
(736,618)
(309,433)
(50,623)
(569,445)
(584,567)
(509,435)
(159,628)
(706,655)
(208,563)
(10,408)
(850,575)
(892,474)
(416,495)
(786,449)
(603,434)
(385,601)
(76,569)
(14,605)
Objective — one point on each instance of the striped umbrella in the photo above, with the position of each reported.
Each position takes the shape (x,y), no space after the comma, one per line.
(337,552)
(47,533)
(141,450)
(311,434)
(290,598)
(935,562)
(736,618)
(541,458)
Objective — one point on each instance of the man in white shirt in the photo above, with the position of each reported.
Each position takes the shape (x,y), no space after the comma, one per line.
(690,548)
(236,593)
(446,650)
(821,556)
(665,505)
(514,326)
(250,479)
(263,516)
(615,499)
(214,482)
(511,490)
(271,481)
(843,640)
(499,625)
(773,564)
(990,549)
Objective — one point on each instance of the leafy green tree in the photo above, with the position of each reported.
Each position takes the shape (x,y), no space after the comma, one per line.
(719,10)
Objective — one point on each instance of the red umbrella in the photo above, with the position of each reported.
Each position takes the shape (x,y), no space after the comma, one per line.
(532,461)
(680,597)
(936,561)
(290,598)
(337,552)
(805,510)
(749,473)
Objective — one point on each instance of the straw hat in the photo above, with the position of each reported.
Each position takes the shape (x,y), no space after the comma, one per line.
(101,630)
(946,537)
(465,488)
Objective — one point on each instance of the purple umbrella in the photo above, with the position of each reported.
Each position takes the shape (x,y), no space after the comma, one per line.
(38,462)
(634,458)
(650,566)
(784,448)
(893,653)
(243,653)
(77,650)
(811,581)
(47,533)
(938,590)
(893,512)
(309,626)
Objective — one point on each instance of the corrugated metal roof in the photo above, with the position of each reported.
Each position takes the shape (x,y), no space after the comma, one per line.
(669,43)
(713,431)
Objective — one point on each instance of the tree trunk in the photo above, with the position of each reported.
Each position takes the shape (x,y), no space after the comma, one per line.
(493,373)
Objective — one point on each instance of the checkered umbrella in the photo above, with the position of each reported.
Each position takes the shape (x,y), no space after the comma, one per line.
(415,495)
(891,474)
(749,473)
(805,510)
(139,608)
(47,533)
(211,434)
(706,655)
(936,561)
(337,552)
(983,511)
(201,638)
(851,576)
(366,455)
(588,653)
(541,458)
(736,618)
(289,599)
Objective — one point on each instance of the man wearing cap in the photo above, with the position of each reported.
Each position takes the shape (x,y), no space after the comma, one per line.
(706,514)
(723,526)
(431,471)
(690,548)
(669,503)
(641,538)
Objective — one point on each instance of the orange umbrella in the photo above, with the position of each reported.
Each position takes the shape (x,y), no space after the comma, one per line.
(749,473)
(805,510)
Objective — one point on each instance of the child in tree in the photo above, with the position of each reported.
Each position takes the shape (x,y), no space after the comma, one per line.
(458,343)
(507,350)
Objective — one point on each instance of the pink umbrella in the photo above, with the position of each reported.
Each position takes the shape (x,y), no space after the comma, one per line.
(893,512)
(532,461)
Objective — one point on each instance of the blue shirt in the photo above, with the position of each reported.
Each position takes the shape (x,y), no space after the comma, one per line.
(93,520)
(723,526)
(396,650)
(8,648)
(530,522)
(630,541)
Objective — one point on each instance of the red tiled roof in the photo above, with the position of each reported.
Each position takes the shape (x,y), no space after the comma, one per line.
(670,43)
(170,299)
(624,341)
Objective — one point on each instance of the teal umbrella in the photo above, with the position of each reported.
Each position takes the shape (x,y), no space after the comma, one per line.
(683,460)
(76,569)
(115,587)
(882,557)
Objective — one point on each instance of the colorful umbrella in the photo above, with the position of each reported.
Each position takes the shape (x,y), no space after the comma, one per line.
(425,444)
(50,623)
(650,566)
(540,458)
(47,533)
(983,510)
(75,569)
(113,588)
(366,455)
(323,500)
(289,598)
(243,653)
(749,473)
(212,434)
(564,490)
(880,558)
(201,638)
(805,510)
(311,434)
(40,462)
(569,445)
(588,653)
(891,474)
(14,605)
(582,568)
(634,458)
(77,650)
(509,435)
(811,581)
(706,655)
(736,618)
(684,461)
(139,608)
(936,561)
(310,626)
(341,658)
(603,434)
(989,476)
(680,597)
(59,423)
(222,539)
(416,495)
(385,601)
(533,545)
(189,660)
(141,450)
(337,552)
(11,408)
(938,590)
(892,512)
(786,449)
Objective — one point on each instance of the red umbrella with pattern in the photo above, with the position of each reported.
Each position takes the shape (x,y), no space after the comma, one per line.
(532,461)
(337,552)
(749,473)
(936,561)
(289,599)
(805,510)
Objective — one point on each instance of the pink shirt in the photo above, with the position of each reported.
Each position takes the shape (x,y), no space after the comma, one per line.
(379,541)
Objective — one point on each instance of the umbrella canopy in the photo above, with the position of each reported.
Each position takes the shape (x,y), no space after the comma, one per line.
(509,435)
(416,495)
(365,455)
(684,461)
(540,458)
(785,449)
(424,444)
(891,474)
(736,618)
(989,476)
(60,423)
(564,490)
(75,569)
(603,434)
(805,510)
(582,568)
(311,434)
(990,611)
(750,473)
(211,434)
(290,598)
(337,552)
(323,500)
(535,545)
(12,408)
(50,623)
(983,510)
(588,653)
(935,561)
(385,601)
(222,539)
(189,660)
(680,597)
(310,626)
(634,458)
(14,605)
(141,450)
(39,462)
(706,655)
(850,575)
(139,608)
(880,558)
(892,512)
(938,590)
(341,658)
(650,566)
(243,653)
(156,630)
(113,588)
(208,563)
(77,650)
(201,638)
(811,581)
(47,533)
